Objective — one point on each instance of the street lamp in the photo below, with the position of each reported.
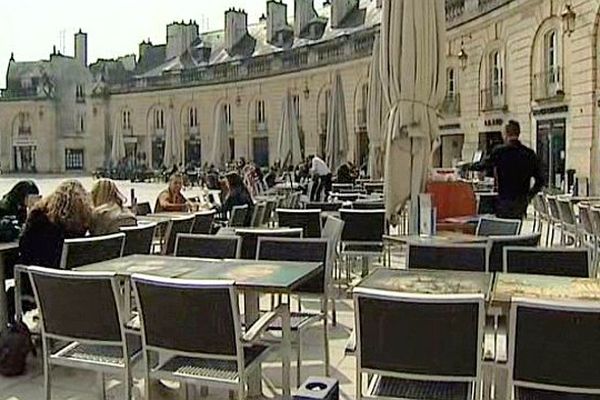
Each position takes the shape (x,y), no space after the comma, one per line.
(463,57)
(306,91)
(568,17)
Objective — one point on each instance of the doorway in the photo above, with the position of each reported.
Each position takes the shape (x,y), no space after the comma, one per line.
(551,150)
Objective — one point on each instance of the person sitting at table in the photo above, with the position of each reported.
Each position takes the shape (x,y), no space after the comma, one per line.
(109,214)
(14,203)
(345,174)
(171,199)
(237,195)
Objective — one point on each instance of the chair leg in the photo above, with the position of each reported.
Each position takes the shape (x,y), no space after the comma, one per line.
(128,382)
(333,312)
(299,360)
(147,385)
(47,384)
(326,344)
(101,383)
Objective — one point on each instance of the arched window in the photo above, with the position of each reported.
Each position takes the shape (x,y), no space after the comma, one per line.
(126,119)
(261,113)
(551,56)
(496,73)
(192,117)
(159,118)
(451,82)
(227,112)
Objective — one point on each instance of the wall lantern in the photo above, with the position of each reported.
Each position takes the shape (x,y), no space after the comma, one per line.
(568,17)
(306,91)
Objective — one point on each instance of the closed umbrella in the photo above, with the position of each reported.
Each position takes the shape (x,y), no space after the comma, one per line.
(337,126)
(288,144)
(220,144)
(173,145)
(117,152)
(376,115)
(412,73)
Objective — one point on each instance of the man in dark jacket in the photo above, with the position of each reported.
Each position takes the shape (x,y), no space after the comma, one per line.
(514,166)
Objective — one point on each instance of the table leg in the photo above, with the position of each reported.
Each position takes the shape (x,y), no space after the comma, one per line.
(251,310)
(286,351)
(3,302)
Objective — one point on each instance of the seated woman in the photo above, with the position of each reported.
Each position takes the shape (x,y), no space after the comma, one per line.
(64,214)
(109,214)
(237,195)
(14,202)
(171,199)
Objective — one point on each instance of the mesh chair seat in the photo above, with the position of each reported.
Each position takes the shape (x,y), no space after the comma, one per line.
(522,393)
(410,389)
(202,368)
(105,355)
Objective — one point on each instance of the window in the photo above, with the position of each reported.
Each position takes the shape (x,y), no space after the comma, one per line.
(74,159)
(159,119)
(80,123)
(260,111)
(365,96)
(496,74)
(79,93)
(24,123)
(551,56)
(451,81)
(126,120)
(227,112)
(192,117)
(296,104)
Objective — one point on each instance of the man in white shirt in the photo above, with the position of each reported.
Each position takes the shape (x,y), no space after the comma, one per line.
(321,178)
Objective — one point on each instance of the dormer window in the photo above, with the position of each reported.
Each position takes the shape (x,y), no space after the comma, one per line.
(79,93)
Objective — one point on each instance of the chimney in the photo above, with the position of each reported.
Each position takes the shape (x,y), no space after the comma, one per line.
(236,27)
(276,20)
(144,46)
(180,36)
(304,13)
(81,53)
(340,10)
(379,3)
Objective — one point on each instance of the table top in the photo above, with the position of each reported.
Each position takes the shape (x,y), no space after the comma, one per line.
(441,237)
(580,199)
(429,282)
(9,246)
(267,276)
(508,286)
(263,231)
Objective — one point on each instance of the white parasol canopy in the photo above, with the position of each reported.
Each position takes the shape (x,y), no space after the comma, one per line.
(376,116)
(288,144)
(173,144)
(337,127)
(220,144)
(117,152)
(412,73)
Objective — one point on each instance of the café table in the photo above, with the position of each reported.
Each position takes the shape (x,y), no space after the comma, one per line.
(5,249)
(441,237)
(251,277)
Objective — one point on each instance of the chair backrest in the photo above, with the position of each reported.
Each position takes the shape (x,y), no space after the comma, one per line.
(199,318)
(250,238)
(540,205)
(548,261)
(553,207)
(91,249)
(585,218)
(238,216)
(324,206)
(208,246)
(332,231)
(143,208)
(555,347)
(453,257)
(363,225)
(498,243)
(308,220)
(373,187)
(203,222)
(271,205)
(452,199)
(566,211)
(138,239)
(341,186)
(368,205)
(77,305)
(258,214)
(595,217)
(486,203)
(436,337)
(176,226)
(498,227)
(292,249)
(350,196)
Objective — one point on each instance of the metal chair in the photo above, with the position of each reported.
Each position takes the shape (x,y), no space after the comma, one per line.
(498,243)
(138,239)
(308,250)
(586,229)
(176,226)
(258,214)
(451,257)
(143,208)
(554,222)
(208,246)
(368,205)
(373,187)
(332,231)
(548,261)
(203,222)
(363,235)
(540,213)
(238,216)
(308,220)
(323,206)
(271,205)
(338,187)
(91,249)
(553,350)
(568,219)
(80,311)
(418,346)
(208,347)
(350,196)
(498,227)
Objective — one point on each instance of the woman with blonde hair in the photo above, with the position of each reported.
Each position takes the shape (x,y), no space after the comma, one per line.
(109,214)
(64,214)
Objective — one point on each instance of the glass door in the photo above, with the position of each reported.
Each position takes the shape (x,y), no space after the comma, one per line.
(551,150)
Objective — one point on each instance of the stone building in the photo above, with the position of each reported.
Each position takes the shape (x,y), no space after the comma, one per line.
(530,60)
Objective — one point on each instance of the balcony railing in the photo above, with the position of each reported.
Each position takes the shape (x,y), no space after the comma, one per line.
(361,117)
(460,11)
(548,84)
(24,130)
(259,127)
(23,94)
(493,98)
(451,105)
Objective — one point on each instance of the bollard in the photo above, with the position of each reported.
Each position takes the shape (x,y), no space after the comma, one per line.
(319,388)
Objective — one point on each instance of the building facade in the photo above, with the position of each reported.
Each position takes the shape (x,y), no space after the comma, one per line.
(535,61)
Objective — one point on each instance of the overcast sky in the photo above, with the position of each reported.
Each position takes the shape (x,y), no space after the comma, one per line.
(30,28)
